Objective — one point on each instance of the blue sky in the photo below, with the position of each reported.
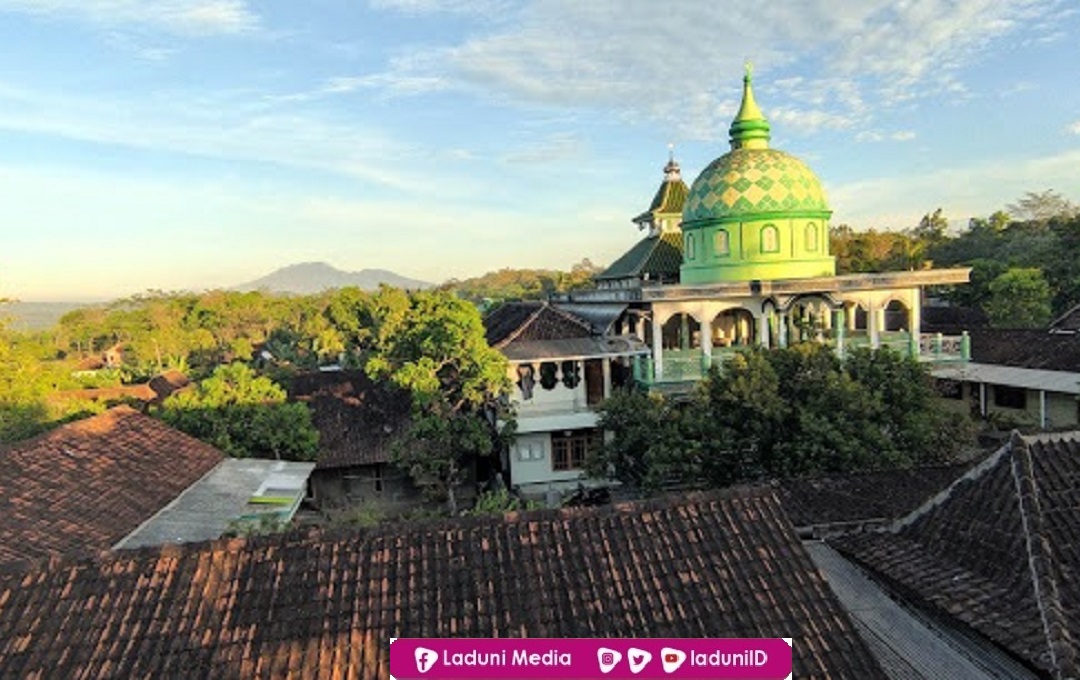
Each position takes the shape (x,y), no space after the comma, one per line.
(200,143)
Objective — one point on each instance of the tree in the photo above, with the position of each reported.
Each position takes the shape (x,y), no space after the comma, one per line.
(774,414)
(432,344)
(245,415)
(931,228)
(1041,207)
(649,450)
(1019,298)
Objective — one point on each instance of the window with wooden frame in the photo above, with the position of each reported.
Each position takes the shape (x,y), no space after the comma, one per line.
(569,448)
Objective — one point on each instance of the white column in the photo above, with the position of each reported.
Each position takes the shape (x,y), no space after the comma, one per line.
(706,336)
(915,313)
(982,399)
(1042,409)
(763,330)
(605,362)
(873,317)
(657,346)
(783,329)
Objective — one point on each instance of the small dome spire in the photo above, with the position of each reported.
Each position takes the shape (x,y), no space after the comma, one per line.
(749,130)
(672,172)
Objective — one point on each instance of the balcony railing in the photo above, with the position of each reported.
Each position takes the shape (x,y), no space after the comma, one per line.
(689,365)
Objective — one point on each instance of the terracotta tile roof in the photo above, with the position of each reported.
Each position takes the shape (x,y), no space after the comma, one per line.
(530,321)
(357,419)
(86,485)
(326,605)
(657,257)
(1026,349)
(952,320)
(882,495)
(159,388)
(999,551)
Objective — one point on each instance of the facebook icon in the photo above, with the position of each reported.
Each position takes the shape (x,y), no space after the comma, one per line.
(425,659)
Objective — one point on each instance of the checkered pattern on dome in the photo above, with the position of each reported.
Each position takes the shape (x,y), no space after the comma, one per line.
(746,181)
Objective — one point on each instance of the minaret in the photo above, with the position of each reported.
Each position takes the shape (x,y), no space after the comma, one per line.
(665,211)
(749,130)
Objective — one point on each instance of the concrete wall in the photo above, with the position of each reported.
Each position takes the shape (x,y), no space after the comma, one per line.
(1061,408)
(531,462)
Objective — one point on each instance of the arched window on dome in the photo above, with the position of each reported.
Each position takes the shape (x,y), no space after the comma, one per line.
(811,237)
(689,246)
(770,239)
(721,246)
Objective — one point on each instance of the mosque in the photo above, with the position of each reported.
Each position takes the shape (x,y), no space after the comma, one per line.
(738,259)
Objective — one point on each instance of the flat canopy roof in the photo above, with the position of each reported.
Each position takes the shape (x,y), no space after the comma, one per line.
(1030,378)
(210,506)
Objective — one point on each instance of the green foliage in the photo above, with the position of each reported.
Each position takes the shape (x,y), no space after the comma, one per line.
(1019,298)
(245,415)
(522,284)
(500,502)
(780,413)
(432,344)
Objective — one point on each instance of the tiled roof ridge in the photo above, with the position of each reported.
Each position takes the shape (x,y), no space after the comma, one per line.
(91,424)
(942,496)
(545,305)
(311,534)
(1053,326)
(509,337)
(1059,646)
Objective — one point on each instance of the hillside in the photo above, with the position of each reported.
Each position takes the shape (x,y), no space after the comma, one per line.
(36,316)
(314,277)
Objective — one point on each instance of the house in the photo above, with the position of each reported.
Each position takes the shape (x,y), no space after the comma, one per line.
(562,365)
(326,605)
(111,358)
(151,393)
(97,483)
(358,421)
(996,551)
(1018,378)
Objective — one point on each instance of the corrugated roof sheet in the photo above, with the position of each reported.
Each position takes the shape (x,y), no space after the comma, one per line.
(1028,378)
(314,605)
(600,316)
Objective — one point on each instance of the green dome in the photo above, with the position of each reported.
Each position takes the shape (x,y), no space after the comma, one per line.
(749,181)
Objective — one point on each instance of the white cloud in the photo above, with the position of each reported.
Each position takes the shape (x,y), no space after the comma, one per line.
(239,126)
(903,135)
(418,7)
(678,65)
(559,147)
(962,191)
(1074,128)
(195,17)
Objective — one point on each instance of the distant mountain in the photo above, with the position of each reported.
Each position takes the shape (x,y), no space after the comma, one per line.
(314,277)
(37,316)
